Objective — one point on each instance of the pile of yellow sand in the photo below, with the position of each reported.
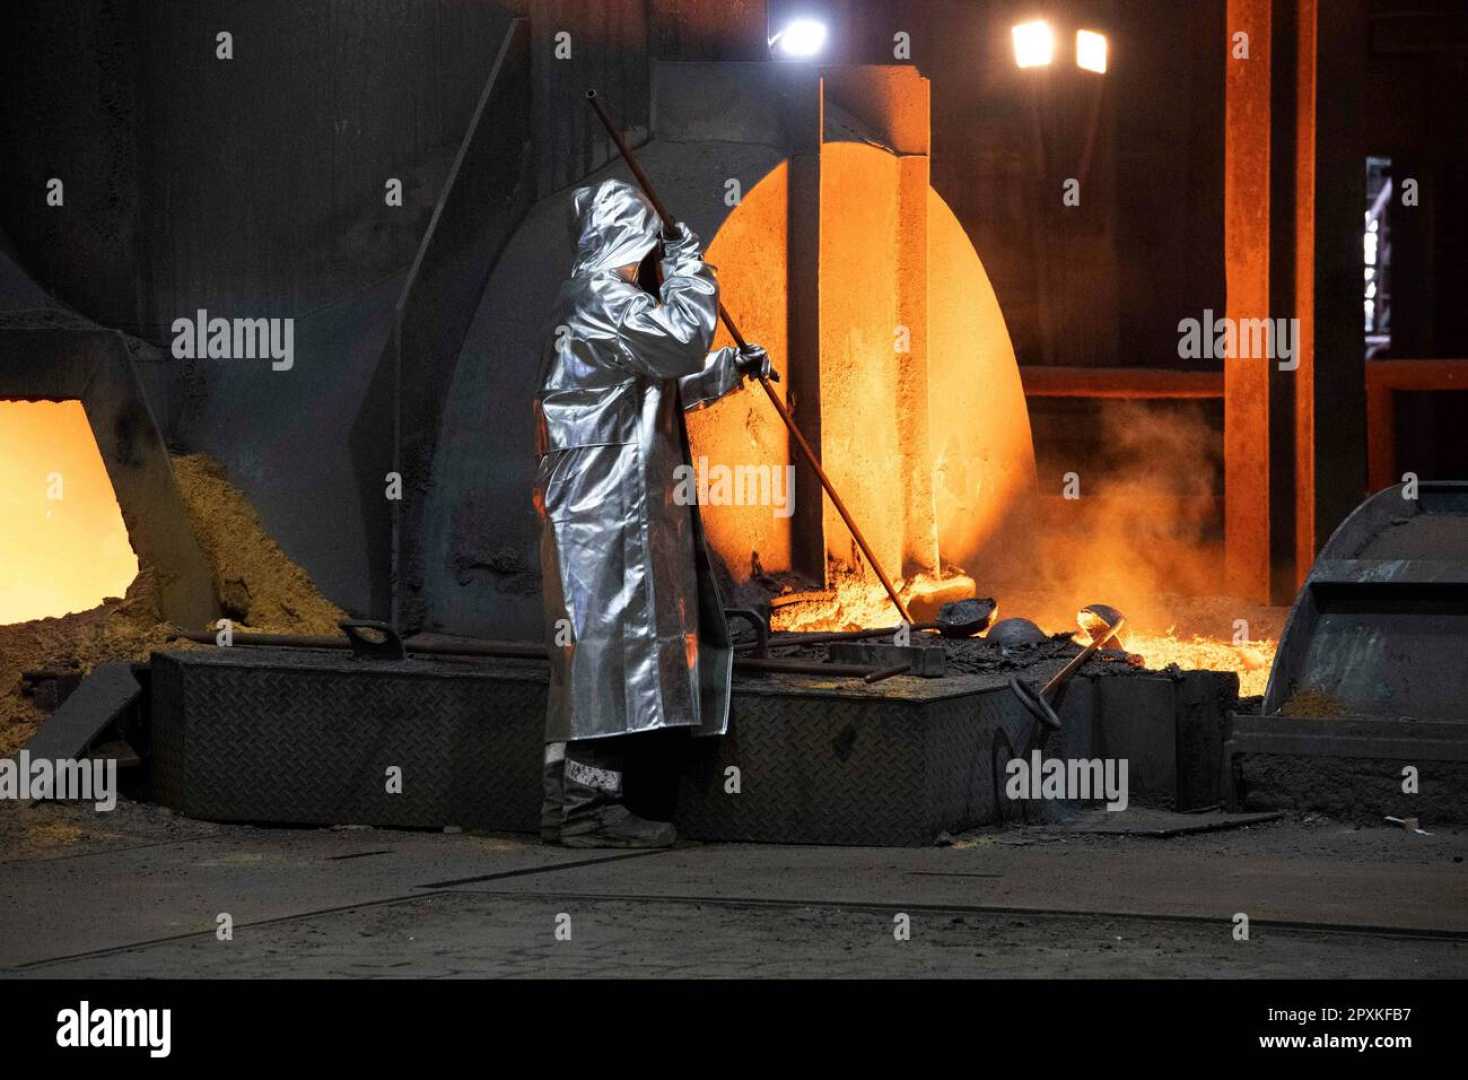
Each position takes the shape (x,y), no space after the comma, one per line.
(1312,703)
(259,588)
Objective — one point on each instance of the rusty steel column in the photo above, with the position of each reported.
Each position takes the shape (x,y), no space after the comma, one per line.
(1246,382)
(920,537)
(897,100)
(874,311)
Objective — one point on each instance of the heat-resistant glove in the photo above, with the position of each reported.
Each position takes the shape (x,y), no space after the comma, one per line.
(754,363)
(680,241)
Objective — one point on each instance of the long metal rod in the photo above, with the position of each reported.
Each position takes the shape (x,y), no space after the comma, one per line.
(800,441)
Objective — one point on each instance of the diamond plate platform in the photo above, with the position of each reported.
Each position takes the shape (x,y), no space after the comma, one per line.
(823,762)
(302,736)
(308,736)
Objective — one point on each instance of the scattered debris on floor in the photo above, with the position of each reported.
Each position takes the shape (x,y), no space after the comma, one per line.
(1162,824)
(1410,824)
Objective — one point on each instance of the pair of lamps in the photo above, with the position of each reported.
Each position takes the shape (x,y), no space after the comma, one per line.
(1035,44)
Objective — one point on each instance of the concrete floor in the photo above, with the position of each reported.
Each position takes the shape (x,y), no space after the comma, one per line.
(139,892)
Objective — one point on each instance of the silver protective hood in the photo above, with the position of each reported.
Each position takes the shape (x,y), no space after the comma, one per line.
(612,226)
(634,622)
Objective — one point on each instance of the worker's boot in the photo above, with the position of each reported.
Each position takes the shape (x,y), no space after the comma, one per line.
(594,815)
(553,792)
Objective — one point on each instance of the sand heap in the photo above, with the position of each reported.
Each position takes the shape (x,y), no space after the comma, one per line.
(258,586)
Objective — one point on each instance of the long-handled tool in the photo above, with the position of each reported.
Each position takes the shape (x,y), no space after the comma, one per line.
(805,448)
(1102,623)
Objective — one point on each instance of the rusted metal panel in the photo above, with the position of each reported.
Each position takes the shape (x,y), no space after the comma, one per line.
(1383,379)
(1113,382)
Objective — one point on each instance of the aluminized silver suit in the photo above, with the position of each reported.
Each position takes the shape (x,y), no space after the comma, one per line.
(634,620)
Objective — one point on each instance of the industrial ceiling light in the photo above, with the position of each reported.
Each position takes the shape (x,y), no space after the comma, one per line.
(800,39)
(1091,51)
(1034,44)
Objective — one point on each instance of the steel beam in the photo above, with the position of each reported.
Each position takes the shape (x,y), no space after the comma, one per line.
(1247,440)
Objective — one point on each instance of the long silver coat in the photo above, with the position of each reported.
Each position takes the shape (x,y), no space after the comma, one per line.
(634,622)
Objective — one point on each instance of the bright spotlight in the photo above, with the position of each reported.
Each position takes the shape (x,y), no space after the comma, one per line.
(1034,44)
(800,39)
(1091,51)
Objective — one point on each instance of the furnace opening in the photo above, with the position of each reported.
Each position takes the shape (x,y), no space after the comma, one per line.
(64,546)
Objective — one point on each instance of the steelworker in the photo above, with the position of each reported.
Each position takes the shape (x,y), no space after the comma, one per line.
(634,622)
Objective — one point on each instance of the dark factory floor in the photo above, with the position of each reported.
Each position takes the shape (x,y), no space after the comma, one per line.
(140,892)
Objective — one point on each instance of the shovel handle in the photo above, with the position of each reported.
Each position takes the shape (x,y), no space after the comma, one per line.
(1079,660)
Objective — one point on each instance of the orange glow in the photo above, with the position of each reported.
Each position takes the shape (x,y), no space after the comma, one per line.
(63,544)
(854,603)
(983,455)
(925,432)
(870,412)
(1251,661)
(903,373)
(743,429)
(859,605)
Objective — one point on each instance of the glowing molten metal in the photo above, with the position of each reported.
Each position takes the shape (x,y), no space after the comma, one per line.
(63,544)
